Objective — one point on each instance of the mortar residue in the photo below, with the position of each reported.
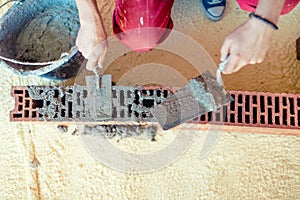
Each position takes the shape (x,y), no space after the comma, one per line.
(121,131)
(48,35)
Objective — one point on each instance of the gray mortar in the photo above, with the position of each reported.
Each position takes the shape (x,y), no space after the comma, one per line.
(120,131)
(48,35)
(51,98)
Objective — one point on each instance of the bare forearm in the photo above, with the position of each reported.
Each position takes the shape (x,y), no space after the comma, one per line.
(89,15)
(270,9)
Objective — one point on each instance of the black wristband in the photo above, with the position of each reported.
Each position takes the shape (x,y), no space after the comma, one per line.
(253,15)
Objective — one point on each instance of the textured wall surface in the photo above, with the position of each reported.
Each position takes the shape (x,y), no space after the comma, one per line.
(242,165)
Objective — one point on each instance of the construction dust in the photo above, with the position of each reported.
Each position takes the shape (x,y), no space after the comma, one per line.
(48,35)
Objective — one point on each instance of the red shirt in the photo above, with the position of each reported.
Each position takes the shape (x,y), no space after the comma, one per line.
(250,5)
(142,24)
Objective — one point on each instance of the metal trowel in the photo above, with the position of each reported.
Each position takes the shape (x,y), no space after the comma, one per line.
(203,94)
(99,96)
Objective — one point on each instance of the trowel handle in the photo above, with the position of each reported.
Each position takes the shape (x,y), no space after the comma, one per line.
(220,69)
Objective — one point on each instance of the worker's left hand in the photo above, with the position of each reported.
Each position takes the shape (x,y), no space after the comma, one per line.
(248,44)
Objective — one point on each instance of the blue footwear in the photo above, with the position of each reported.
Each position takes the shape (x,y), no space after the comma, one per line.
(213,9)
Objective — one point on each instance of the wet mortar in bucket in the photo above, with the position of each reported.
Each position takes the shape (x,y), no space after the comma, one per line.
(48,35)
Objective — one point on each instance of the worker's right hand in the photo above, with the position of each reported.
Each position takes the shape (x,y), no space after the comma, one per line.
(92,43)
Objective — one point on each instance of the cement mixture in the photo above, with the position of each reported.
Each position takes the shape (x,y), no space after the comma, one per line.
(48,35)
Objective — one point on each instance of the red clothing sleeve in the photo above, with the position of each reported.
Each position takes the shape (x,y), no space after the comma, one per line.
(250,5)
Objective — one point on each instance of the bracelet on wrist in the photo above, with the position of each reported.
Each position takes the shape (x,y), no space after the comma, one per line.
(271,24)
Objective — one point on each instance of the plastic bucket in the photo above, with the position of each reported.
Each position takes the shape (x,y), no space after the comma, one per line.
(18,19)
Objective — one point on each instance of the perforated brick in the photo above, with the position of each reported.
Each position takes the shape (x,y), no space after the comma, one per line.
(253,109)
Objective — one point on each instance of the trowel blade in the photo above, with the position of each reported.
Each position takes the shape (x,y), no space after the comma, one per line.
(202,94)
(99,94)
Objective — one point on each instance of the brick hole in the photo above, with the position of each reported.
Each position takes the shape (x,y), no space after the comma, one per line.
(254,99)
(84,93)
(55,116)
(254,116)
(240,114)
(114,112)
(202,118)
(26,93)
(20,99)
(240,98)
(276,104)
(144,115)
(298,102)
(151,92)
(122,98)
(270,116)
(70,90)
(292,108)
(232,118)
(284,116)
(144,92)
(37,103)
(20,108)
(19,115)
(262,103)
(70,115)
(148,103)
(262,119)
(209,116)
(165,93)
(292,121)
(247,119)
(158,93)
(27,103)
(277,120)
(284,101)
(114,94)
(18,92)
(225,114)
(129,110)
(122,114)
(33,114)
(232,106)
(128,94)
(136,97)
(63,100)
(136,114)
(56,93)
(269,100)
(218,117)
(63,112)
(247,103)
(26,113)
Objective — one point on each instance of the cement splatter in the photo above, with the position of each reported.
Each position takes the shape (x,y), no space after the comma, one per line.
(121,131)
(62,128)
(48,35)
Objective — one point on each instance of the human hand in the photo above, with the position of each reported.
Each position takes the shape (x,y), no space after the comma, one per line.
(93,45)
(247,44)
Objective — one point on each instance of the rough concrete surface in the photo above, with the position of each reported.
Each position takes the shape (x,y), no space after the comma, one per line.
(242,165)
(48,35)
